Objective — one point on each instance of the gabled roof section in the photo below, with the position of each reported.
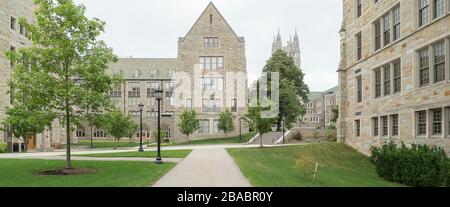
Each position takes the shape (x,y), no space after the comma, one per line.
(211,4)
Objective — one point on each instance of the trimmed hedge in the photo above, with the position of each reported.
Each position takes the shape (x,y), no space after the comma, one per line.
(418,165)
(3,147)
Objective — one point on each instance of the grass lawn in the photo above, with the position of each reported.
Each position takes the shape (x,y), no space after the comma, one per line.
(339,166)
(230,140)
(167,154)
(20,173)
(106,144)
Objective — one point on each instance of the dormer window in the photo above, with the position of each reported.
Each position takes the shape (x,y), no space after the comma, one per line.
(211,42)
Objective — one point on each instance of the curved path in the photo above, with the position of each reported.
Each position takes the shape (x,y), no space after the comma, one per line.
(205,168)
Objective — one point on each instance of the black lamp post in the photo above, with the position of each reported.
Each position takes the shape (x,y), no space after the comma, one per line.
(159,94)
(141,108)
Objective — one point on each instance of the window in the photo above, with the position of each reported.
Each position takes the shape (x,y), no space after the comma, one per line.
(99,133)
(151,87)
(421,123)
(387,29)
(396,31)
(377,83)
(21,29)
(80,133)
(359,88)
(211,63)
(424,68)
(234,105)
(135,73)
(358,8)
(394,124)
(134,90)
(116,91)
(211,42)
(397,76)
(423,12)
(377,26)
(436,125)
(216,127)
(358,128)
(448,121)
(210,18)
(189,104)
(11,63)
(359,46)
(13,23)
(387,79)
(152,114)
(439,61)
(375,126)
(211,105)
(204,127)
(211,84)
(169,86)
(438,8)
(384,126)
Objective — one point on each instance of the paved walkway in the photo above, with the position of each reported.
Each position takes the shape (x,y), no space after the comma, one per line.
(205,168)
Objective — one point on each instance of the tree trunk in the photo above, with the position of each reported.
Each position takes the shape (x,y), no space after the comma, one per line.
(261,137)
(92,145)
(68,158)
(187,137)
(279,123)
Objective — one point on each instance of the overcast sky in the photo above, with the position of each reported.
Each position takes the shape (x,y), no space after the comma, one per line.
(150,29)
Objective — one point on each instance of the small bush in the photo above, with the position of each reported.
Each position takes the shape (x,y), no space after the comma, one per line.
(3,147)
(331,135)
(305,166)
(316,135)
(418,165)
(297,135)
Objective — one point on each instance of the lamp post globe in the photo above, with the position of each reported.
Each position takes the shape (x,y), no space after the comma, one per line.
(141,108)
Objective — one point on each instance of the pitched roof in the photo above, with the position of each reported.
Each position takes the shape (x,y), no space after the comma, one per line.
(143,68)
(211,4)
(314,95)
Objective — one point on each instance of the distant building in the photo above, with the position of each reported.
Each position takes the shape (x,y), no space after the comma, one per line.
(319,109)
(292,48)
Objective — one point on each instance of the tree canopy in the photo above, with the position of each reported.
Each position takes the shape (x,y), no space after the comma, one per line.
(189,123)
(226,123)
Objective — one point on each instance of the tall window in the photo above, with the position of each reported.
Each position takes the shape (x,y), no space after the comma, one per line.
(397,76)
(359,88)
(423,12)
(211,42)
(21,29)
(439,61)
(211,63)
(377,26)
(375,125)
(387,79)
(448,120)
(134,93)
(424,68)
(421,123)
(189,104)
(387,29)
(211,105)
(13,21)
(436,125)
(377,83)
(11,63)
(234,105)
(394,125)
(116,91)
(385,126)
(204,127)
(359,46)
(211,84)
(151,87)
(438,8)
(358,8)
(216,126)
(396,13)
(358,128)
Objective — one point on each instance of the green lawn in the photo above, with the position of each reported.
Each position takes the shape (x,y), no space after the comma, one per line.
(167,154)
(106,144)
(339,166)
(230,140)
(20,173)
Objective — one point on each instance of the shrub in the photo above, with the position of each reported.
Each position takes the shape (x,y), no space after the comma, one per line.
(331,135)
(316,135)
(305,166)
(297,135)
(3,147)
(418,165)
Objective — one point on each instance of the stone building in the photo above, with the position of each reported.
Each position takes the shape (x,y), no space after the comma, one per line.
(319,109)
(207,76)
(394,75)
(292,48)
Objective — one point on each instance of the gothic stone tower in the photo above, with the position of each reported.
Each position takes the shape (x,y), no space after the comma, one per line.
(292,48)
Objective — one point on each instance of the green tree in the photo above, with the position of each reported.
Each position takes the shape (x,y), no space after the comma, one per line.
(117,124)
(67,59)
(291,82)
(255,120)
(226,123)
(189,123)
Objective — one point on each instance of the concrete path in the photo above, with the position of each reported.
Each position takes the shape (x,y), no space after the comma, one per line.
(205,168)
(146,159)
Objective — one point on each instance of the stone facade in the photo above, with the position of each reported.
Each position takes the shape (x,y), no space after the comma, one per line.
(207,76)
(319,109)
(394,82)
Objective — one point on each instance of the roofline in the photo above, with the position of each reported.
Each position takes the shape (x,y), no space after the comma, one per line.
(198,19)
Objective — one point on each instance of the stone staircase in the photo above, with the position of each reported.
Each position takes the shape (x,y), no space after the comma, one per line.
(270,138)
